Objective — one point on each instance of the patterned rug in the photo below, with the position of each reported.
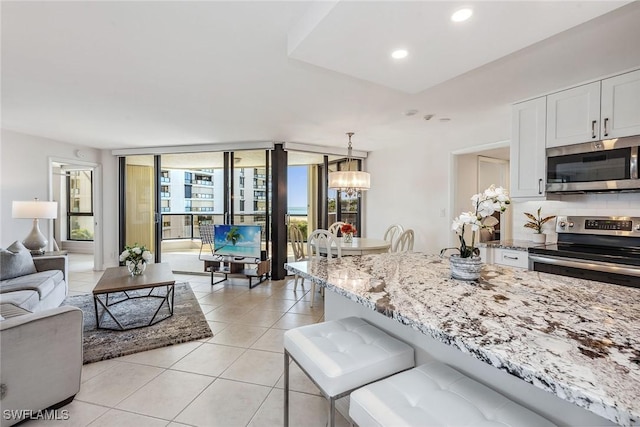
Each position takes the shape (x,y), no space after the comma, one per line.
(187,324)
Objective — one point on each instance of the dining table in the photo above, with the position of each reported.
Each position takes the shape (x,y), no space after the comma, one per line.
(358,246)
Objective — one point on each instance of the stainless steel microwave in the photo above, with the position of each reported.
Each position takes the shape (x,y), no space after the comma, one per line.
(600,166)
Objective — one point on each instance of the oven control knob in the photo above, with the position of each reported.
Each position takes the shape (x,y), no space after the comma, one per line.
(570,224)
(638,227)
(562,224)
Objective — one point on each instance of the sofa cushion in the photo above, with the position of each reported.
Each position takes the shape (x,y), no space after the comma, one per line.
(42,282)
(27,300)
(15,261)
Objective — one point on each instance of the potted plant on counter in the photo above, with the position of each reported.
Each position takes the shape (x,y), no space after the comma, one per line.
(467,264)
(536,223)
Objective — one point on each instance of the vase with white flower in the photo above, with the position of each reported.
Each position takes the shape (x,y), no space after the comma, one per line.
(136,258)
(467,264)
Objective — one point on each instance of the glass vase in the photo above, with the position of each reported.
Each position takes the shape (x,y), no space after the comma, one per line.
(347,237)
(465,268)
(136,268)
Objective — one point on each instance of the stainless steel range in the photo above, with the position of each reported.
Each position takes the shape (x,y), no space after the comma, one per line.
(602,248)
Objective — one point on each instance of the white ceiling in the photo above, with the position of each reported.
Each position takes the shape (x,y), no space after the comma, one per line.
(135,74)
(356,39)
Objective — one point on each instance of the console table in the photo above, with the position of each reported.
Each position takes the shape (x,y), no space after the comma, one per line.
(226,265)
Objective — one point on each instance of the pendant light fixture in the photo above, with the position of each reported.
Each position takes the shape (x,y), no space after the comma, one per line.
(351,182)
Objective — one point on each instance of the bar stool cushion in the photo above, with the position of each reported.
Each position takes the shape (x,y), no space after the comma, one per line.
(340,355)
(435,394)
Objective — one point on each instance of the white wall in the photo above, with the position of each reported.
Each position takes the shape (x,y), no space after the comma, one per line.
(411,187)
(24,174)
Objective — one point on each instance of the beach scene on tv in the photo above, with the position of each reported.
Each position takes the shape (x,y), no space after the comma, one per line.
(237,240)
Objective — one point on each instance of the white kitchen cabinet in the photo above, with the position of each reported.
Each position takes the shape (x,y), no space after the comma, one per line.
(605,109)
(512,258)
(573,115)
(518,257)
(620,110)
(528,161)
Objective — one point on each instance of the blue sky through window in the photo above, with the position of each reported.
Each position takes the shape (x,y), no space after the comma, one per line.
(297,190)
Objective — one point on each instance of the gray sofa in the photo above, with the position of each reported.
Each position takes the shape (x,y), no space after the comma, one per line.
(40,342)
(32,283)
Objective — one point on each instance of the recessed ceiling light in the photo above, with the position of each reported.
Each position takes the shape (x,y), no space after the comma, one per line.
(461,15)
(399,54)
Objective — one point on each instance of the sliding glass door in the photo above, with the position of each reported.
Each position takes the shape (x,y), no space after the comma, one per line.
(165,199)
(192,189)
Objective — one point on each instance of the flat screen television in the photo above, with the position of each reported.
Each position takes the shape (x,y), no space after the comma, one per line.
(237,240)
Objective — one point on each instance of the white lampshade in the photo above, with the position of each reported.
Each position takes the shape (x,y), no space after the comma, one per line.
(356,180)
(34,209)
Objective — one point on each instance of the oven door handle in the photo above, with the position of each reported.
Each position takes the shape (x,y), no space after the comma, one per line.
(605,267)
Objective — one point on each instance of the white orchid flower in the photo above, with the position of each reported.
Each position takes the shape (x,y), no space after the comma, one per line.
(147,256)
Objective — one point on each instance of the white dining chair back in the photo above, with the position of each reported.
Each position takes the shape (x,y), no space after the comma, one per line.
(321,243)
(391,235)
(335,227)
(297,244)
(206,239)
(405,242)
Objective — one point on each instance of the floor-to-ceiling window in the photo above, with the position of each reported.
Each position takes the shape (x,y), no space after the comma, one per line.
(195,189)
(192,193)
(166,198)
(251,191)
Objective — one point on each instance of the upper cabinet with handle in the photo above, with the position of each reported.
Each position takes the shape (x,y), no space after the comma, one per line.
(600,110)
(620,106)
(573,115)
(528,176)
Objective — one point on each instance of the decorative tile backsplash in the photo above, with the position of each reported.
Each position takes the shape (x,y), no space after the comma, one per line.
(618,204)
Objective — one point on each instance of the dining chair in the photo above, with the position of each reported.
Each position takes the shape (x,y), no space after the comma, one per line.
(335,227)
(297,244)
(320,243)
(206,238)
(391,235)
(405,242)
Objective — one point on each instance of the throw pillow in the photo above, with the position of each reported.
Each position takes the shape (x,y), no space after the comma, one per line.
(16,261)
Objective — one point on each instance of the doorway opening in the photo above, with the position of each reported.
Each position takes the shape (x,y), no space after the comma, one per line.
(77,188)
(474,170)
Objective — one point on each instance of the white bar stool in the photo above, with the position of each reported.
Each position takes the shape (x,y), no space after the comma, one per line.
(342,355)
(435,394)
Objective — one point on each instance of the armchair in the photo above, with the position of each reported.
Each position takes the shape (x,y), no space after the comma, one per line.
(40,361)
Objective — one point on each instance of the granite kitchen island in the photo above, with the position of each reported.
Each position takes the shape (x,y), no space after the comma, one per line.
(518,331)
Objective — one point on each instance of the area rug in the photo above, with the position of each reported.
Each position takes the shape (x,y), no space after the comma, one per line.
(187,324)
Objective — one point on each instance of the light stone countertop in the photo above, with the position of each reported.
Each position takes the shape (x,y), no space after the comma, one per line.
(575,338)
(516,245)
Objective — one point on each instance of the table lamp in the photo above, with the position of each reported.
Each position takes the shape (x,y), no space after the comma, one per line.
(36,209)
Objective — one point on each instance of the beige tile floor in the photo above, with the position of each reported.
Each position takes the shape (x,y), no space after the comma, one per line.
(232,379)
